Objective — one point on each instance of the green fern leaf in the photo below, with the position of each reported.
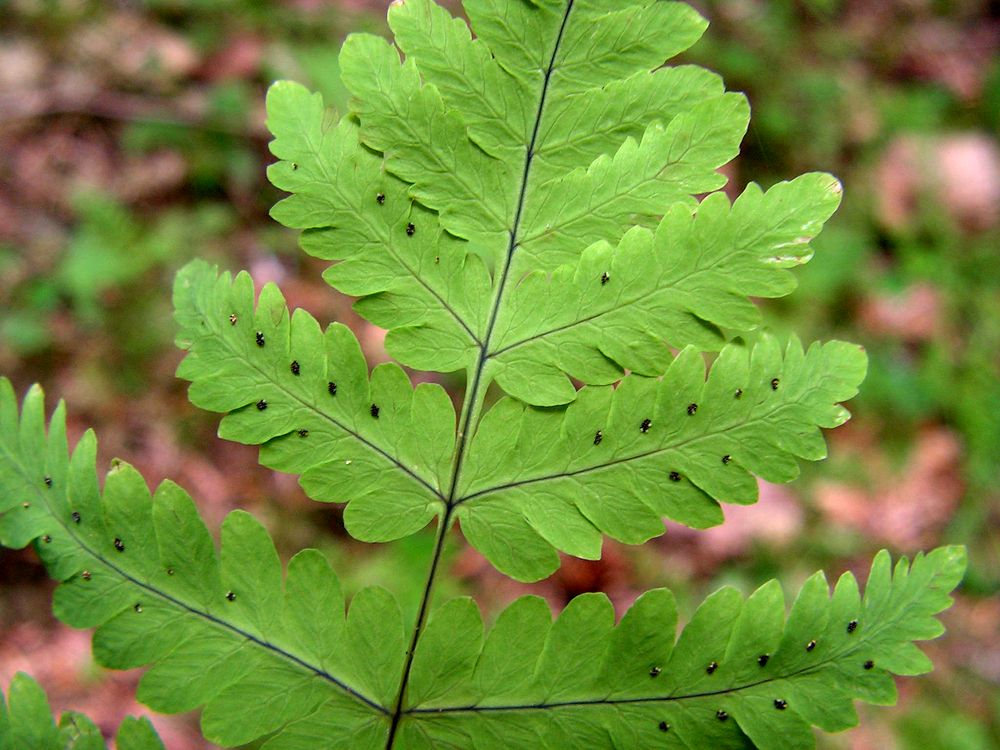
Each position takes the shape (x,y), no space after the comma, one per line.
(412,275)
(279,658)
(256,651)
(615,307)
(738,676)
(617,460)
(380,445)
(26,724)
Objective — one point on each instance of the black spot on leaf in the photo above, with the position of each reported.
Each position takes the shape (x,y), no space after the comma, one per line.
(170,571)
(119,544)
(721,715)
(654,671)
(692,409)
(726,459)
(294,367)
(260,338)
(75,515)
(48,481)
(232,319)
(303,433)
(85,575)
(780,704)
(605,278)
(852,626)
(763,659)
(712,666)
(774,384)
(47,539)
(138,608)
(261,405)
(331,387)
(811,645)
(230,596)
(294,166)
(380,199)
(598,437)
(869,664)
(410,230)
(646,424)
(374,411)
(738,394)
(664,727)
(674,476)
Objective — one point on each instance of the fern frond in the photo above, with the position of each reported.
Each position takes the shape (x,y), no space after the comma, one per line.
(26,724)
(220,629)
(381,445)
(618,308)
(393,252)
(617,460)
(739,675)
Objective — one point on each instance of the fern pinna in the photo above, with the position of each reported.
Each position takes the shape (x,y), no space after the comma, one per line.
(516,202)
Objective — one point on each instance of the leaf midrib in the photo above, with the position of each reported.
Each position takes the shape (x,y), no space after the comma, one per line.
(635,457)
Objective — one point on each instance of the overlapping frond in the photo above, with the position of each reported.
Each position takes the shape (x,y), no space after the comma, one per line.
(617,460)
(305,395)
(26,723)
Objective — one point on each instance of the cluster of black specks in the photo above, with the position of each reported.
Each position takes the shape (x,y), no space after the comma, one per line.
(852,626)
(654,671)
(598,437)
(712,666)
(410,230)
(294,367)
(47,539)
(811,645)
(869,664)
(692,409)
(260,338)
(605,278)
(645,425)
(721,715)
(75,515)
(674,476)
(119,544)
(780,703)
(303,433)
(261,405)
(86,575)
(331,388)
(727,459)
(763,659)
(48,482)
(230,596)
(232,319)
(380,198)
(664,727)
(774,384)
(738,394)
(374,411)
